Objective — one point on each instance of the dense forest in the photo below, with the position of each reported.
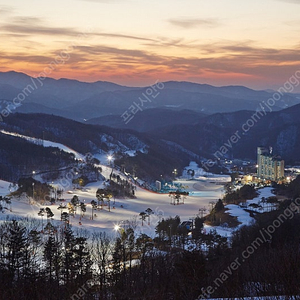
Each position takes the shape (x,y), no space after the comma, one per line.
(58,263)
(19,158)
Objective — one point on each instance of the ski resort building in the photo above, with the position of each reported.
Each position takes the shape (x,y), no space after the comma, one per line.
(270,167)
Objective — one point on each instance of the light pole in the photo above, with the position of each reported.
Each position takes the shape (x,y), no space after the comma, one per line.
(33,191)
(110,158)
(33,173)
(175,173)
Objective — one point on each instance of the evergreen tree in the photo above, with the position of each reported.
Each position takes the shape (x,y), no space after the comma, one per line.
(16,248)
(52,256)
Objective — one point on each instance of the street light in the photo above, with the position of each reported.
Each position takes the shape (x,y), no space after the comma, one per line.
(174,172)
(120,227)
(110,158)
(33,191)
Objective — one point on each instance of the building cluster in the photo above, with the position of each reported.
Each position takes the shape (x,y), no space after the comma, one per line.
(269,166)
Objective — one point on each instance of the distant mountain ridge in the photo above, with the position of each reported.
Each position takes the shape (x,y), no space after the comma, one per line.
(280,129)
(83,101)
(150,119)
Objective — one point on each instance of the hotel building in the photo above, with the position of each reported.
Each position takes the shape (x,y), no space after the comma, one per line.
(270,167)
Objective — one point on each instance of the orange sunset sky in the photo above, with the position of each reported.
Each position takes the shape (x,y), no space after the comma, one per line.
(135,42)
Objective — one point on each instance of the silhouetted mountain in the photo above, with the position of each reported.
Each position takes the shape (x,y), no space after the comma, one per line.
(281,130)
(82,101)
(150,119)
(30,107)
(66,90)
(160,151)
(120,101)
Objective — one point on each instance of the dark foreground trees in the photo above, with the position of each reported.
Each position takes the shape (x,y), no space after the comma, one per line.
(132,265)
(38,266)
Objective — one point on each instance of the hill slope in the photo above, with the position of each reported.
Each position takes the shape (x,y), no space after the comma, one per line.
(280,130)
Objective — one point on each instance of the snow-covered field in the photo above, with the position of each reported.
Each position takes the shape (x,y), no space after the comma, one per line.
(206,188)
(243,216)
(124,209)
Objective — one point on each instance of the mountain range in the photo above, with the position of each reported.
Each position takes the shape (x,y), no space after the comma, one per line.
(83,101)
(186,121)
(160,150)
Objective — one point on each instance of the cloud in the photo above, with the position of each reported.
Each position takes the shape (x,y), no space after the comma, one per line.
(5,10)
(239,60)
(290,1)
(103,1)
(33,26)
(124,36)
(292,23)
(21,57)
(192,23)
(180,43)
(38,30)
(226,59)
(119,53)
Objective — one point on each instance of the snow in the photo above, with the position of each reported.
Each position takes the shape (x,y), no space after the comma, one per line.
(4,187)
(242,216)
(202,191)
(125,209)
(131,153)
(200,174)
(223,231)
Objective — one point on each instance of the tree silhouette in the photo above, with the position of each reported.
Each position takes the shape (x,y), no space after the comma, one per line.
(94,207)
(75,202)
(149,212)
(49,213)
(143,216)
(83,208)
(41,214)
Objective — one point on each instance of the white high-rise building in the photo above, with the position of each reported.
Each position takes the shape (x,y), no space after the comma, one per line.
(270,167)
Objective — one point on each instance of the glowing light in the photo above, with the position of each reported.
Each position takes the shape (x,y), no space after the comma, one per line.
(117,228)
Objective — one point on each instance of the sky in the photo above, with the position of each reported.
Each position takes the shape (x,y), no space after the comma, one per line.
(136,42)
